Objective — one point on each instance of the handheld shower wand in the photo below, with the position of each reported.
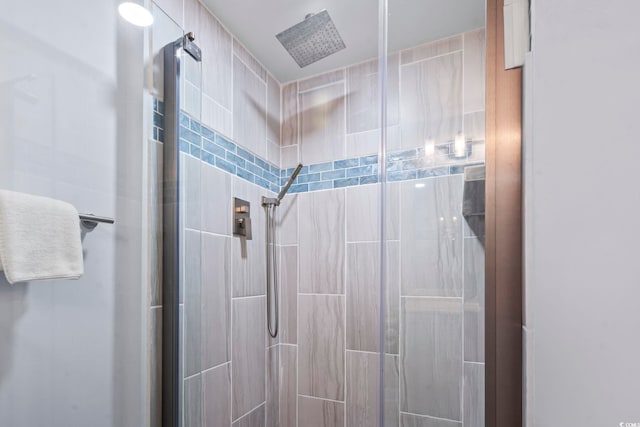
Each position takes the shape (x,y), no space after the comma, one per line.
(270,204)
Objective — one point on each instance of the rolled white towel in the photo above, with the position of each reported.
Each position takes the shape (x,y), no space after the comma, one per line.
(39,238)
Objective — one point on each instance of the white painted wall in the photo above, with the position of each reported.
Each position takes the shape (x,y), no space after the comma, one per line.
(582,203)
(71,352)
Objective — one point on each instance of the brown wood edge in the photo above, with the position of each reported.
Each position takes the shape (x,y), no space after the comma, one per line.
(503,243)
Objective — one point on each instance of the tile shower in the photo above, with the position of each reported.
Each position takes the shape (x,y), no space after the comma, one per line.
(242,132)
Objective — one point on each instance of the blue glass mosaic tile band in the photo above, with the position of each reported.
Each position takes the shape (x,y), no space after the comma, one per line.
(203,143)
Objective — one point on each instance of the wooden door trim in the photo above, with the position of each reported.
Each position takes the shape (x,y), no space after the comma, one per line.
(503,244)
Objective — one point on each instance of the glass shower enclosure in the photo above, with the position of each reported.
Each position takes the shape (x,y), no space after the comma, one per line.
(381,272)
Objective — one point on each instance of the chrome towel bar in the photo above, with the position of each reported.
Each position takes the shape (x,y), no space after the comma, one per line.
(91,221)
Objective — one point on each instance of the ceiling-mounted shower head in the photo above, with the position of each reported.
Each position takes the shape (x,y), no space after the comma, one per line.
(312,39)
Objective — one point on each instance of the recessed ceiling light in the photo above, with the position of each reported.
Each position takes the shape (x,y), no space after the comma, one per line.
(135,14)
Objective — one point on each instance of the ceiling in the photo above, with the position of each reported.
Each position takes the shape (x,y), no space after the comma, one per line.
(411,22)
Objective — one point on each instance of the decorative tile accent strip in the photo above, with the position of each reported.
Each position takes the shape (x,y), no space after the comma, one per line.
(205,144)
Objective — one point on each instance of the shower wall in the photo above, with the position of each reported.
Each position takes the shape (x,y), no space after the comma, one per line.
(323,368)
(70,114)
(330,243)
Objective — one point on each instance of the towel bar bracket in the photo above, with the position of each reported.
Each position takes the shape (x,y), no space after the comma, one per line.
(90,221)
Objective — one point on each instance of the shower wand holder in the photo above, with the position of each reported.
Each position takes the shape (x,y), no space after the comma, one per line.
(270,201)
(241,218)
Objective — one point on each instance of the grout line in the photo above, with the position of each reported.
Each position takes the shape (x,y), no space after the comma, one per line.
(430,417)
(431,297)
(249,67)
(417,61)
(209,233)
(250,412)
(231,304)
(297,372)
(215,367)
(344,287)
(377,353)
(322,86)
(359,242)
(323,295)
(321,398)
(191,376)
(247,297)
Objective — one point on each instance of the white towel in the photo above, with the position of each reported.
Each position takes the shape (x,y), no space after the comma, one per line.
(39,238)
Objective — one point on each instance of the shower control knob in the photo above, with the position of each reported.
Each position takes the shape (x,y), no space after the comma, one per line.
(242,218)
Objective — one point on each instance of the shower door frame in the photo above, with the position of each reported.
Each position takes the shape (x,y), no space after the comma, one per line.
(503,245)
(171,374)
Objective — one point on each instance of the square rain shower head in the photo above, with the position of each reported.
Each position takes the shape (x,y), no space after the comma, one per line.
(312,39)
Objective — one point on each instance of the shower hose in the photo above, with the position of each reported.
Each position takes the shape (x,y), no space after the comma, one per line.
(272,271)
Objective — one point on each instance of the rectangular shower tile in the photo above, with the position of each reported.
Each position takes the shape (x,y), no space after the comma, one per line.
(288,220)
(431,106)
(363,297)
(216,116)
(363,373)
(473,300)
(273,386)
(391,390)
(363,143)
(323,79)
(288,385)
(193,401)
(273,152)
(155,366)
(173,8)
(322,239)
(192,303)
(368,143)
(322,124)
(431,357)
(411,420)
(474,412)
(216,300)
(273,110)
(155,226)
(215,42)
(289,127)
(191,194)
(432,49)
(474,126)
(248,355)
(474,69)
(431,238)
(249,109)
(249,60)
(363,213)
(320,413)
(321,346)
(217,396)
(215,200)
(363,99)
(255,418)
(362,400)
(288,294)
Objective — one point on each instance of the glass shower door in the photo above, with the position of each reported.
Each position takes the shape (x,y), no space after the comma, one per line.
(175,150)
(434,148)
